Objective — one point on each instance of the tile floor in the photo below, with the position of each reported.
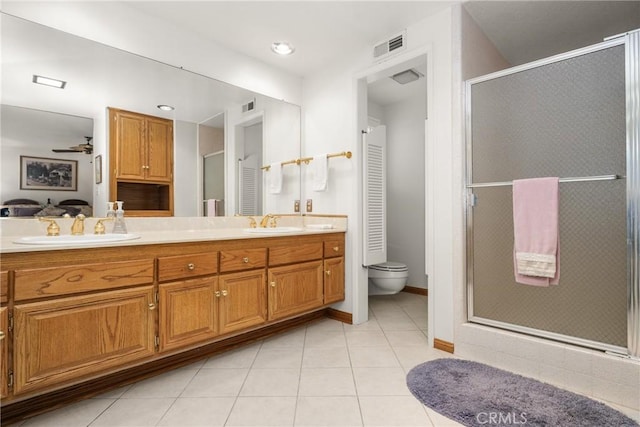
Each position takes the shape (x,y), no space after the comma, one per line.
(323,374)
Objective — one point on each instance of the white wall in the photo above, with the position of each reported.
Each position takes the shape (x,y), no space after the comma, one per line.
(185,154)
(331,123)
(406,183)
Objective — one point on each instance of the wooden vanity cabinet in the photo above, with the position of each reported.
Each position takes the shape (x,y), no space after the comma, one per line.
(106,316)
(333,271)
(66,338)
(141,156)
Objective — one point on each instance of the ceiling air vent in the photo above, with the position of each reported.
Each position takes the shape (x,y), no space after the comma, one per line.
(388,47)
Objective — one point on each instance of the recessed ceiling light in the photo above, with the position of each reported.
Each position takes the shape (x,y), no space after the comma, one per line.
(282,48)
(48,81)
(164,107)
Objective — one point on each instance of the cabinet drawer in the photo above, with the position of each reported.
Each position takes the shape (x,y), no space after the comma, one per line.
(185,266)
(243,259)
(297,253)
(333,248)
(54,281)
(4,285)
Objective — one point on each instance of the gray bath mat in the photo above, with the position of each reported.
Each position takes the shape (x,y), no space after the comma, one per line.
(474,394)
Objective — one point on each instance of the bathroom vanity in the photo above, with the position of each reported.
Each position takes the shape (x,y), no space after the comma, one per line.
(78,321)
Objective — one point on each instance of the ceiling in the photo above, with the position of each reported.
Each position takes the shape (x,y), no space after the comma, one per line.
(325,31)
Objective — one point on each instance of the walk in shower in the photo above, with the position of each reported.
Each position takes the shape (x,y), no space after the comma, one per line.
(573,116)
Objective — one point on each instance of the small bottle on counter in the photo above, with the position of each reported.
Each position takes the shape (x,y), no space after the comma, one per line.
(110,212)
(119,227)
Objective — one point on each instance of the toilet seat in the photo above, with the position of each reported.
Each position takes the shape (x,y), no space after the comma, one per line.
(389,266)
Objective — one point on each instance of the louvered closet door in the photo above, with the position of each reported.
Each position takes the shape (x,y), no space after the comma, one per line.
(375,196)
(249,186)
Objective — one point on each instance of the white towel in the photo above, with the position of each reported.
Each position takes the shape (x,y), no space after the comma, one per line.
(320,172)
(274,177)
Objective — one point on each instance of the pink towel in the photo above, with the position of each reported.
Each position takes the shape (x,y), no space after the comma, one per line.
(535,231)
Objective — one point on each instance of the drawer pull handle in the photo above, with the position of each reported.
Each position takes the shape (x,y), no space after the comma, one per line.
(152,306)
(273,284)
(217,294)
(191,266)
(245,260)
(328,272)
(225,293)
(1,335)
(336,248)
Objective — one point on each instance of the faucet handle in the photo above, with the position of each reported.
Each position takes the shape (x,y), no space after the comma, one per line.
(53,229)
(99,227)
(252,222)
(274,221)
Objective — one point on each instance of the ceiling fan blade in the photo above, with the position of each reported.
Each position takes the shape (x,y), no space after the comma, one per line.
(65,150)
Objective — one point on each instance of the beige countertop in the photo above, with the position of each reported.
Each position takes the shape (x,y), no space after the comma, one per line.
(162,230)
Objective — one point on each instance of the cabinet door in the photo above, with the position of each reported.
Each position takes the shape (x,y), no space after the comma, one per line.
(67,338)
(295,289)
(130,145)
(159,164)
(333,280)
(242,300)
(187,312)
(4,349)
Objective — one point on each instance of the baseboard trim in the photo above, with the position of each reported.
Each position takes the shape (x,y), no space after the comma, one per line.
(415,290)
(443,345)
(342,316)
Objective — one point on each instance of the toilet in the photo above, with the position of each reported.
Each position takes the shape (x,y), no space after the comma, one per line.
(387,278)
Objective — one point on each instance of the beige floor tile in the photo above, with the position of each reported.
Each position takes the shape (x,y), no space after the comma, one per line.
(366,339)
(392,411)
(289,339)
(324,339)
(407,338)
(328,412)
(278,358)
(381,382)
(331,357)
(216,383)
(169,384)
(242,357)
(271,382)
(327,382)
(373,357)
(133,413)
(371,325)
(439,420)
(326,325)
(263,411)
(79,414)
(198,412)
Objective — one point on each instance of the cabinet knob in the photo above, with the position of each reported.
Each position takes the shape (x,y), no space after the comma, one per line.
(1,335)
(273,284)
(328,272)
(225,293)
(217,294)
(245,260)
(152,306)
(191,266)
(336,248)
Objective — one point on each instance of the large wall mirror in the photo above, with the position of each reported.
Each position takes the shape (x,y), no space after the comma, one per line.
(221,131)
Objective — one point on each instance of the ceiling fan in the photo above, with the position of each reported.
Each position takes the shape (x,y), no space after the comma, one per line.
(86,148)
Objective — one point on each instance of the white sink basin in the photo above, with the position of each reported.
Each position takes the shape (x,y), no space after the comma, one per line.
(272,230)
(85,239)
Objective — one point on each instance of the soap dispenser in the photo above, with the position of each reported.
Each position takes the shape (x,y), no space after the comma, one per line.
(119,227)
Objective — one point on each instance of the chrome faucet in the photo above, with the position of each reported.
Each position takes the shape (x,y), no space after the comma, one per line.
(77,228)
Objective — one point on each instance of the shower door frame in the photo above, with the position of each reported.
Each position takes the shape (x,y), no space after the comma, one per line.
(631,41)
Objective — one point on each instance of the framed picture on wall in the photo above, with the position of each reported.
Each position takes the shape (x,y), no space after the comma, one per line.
(40,173)
(97,166)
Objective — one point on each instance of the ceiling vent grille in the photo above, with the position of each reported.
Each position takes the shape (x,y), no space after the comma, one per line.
(388,47)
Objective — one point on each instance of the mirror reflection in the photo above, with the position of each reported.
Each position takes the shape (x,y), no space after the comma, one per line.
(223,135)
